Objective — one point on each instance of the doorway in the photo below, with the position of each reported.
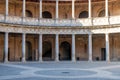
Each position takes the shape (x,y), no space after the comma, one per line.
(103,54)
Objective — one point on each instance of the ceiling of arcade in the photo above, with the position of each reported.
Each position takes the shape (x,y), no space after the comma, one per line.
(61,1)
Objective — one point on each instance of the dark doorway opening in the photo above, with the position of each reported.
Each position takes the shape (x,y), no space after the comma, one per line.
(65,51)
(28,51)
(47,51)
(46,14)
(103,54)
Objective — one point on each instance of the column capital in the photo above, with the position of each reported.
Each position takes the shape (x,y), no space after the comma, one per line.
(90,34)
(107,33)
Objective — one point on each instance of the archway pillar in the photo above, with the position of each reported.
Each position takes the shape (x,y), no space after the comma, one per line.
(73,48)
(90,47)
(40,47)
(40,11)
(6,47)
(89,8)
(24,8)
(73,9)
(57,47)
(106,8)
(107,47)
(6,8)
(57,11)
(23,47)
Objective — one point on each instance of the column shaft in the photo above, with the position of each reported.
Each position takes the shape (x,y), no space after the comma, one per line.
(23,46)
(6,47)
(107,47)
(106,8)
(40,13)
(40,47)
(57,11)
(89,8)
(73,9)
(7,3)
(73,47)
(90,47)
(24,8)
(57,48)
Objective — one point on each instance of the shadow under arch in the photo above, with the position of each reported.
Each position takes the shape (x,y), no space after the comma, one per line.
(47,51)
(65,51)
(28,51)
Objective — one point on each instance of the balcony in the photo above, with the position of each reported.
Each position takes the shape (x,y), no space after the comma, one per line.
(60,22)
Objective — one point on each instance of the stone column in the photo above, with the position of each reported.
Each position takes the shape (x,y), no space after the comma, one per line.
(73,47)
(107,47)
(89,8)
(90,47)
(7,9)
(40,13)
(57,47)
(57,11)
(73,9)
(40,47)
(23,47)
(6,47)
(24,8)
(106,8)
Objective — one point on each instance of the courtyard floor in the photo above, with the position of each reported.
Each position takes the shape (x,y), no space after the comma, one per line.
(60,71)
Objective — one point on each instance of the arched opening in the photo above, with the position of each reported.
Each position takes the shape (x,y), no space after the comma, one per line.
(101,13)
(28,51)
(47,50)
(28,13)
(46,14)
(65,53)
(83,14)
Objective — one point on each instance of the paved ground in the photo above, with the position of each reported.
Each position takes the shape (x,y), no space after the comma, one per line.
(60,71)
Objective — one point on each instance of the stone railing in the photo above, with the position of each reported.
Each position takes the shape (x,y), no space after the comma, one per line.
(60,22)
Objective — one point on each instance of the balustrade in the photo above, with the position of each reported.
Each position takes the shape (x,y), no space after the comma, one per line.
(60,22)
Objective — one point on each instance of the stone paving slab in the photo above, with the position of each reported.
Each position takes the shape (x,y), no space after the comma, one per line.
(60,71)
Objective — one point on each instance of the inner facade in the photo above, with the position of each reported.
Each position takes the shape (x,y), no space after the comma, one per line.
(65,47)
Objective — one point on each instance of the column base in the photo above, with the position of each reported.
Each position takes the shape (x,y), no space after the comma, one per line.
(23,60)
(6,60)
(73,60)
(40,60)
(56,60)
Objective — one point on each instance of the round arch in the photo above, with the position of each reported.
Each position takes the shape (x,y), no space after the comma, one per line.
(29,13)
(46,14)
(83,14)
(102,13)
(47,50)
(65,53)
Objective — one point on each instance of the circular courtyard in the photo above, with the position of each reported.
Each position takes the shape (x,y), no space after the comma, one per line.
(60,71)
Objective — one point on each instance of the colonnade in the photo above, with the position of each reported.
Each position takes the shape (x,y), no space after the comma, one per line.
(6,43)
(57,8)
